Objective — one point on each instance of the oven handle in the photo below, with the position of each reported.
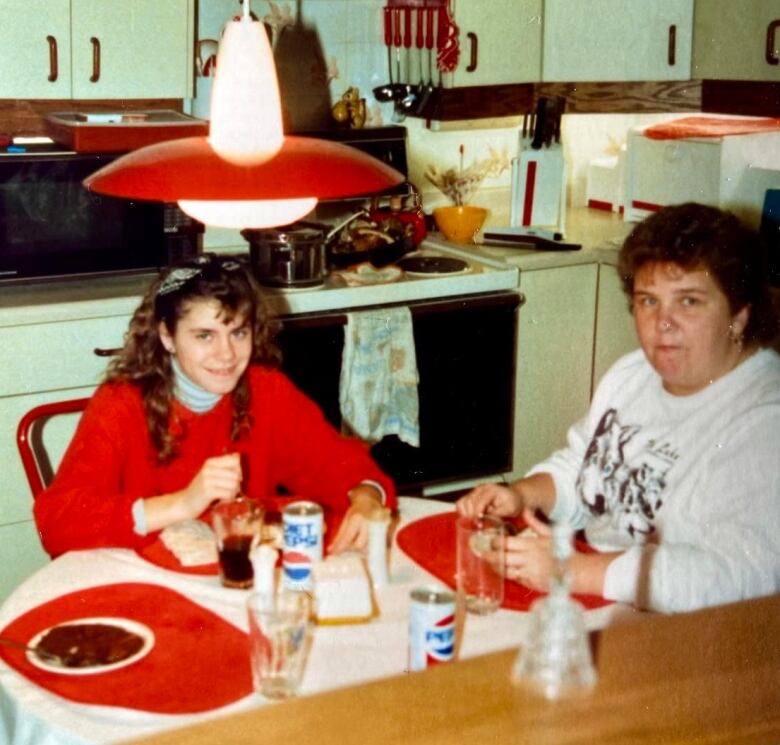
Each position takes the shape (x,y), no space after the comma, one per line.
(418,308)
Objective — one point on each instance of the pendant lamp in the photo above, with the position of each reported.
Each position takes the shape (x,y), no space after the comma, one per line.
(246,173)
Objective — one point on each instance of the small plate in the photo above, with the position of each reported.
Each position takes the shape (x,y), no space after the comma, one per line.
(123,623)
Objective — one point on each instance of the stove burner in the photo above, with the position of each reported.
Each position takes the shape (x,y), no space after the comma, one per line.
(432,264)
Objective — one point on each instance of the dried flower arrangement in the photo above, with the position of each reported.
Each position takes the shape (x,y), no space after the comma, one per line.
(460,184)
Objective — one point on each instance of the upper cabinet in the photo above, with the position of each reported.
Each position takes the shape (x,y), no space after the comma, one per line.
(35,49)
(95,49)
(500,45)
(617,40)
(737,41)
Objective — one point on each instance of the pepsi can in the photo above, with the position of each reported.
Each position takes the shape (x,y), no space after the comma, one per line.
(302,524)
(431,627)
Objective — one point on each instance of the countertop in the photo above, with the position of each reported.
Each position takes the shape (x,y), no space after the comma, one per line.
(705,677)
(600,234)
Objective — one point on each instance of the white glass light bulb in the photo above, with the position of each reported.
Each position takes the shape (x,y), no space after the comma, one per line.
(246,112)
(248,213)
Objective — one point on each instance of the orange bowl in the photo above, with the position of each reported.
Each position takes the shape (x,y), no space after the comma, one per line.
(460,224)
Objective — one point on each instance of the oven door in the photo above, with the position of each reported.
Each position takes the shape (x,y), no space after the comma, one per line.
(465,351)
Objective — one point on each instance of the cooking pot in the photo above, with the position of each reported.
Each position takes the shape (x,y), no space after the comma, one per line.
(290,256)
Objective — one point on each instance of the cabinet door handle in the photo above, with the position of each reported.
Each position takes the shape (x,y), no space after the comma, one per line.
(95,59)
(671,50)
(474,56)
(771,30)
(106,352)
(53,72)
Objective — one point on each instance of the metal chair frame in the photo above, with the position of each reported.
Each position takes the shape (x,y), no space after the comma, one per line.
(29,440)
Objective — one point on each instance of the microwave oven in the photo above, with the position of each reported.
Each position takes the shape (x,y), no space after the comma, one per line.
(51,226)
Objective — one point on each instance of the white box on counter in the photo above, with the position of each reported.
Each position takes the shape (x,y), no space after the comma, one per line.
(731,172)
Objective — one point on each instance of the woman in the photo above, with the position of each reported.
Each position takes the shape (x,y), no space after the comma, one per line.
(193,411)
(675,471)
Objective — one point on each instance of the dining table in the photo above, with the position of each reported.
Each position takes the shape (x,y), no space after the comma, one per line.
(197,675)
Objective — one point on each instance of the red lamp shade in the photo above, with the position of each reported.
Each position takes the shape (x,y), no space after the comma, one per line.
(189,169)
(246,174)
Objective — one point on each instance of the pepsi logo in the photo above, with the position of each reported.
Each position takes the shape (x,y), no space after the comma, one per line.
(440,641)
(297,566)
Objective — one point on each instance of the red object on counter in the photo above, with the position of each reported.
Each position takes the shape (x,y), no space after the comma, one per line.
(413,216)
(709,126)
(136,129)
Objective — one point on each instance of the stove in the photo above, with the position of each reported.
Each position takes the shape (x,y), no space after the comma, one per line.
(481,275)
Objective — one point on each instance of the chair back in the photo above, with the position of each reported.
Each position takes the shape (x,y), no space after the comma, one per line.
(29,440)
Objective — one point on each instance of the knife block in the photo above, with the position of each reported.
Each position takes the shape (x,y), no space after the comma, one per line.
(538,194)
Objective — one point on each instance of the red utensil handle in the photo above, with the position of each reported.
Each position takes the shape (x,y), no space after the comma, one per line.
(419,40)
(397,40)
(441,33)
(408,28)
(388,27)
(429,37)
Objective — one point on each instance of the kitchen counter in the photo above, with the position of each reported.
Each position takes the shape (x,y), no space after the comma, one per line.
(707,677)
(600,234)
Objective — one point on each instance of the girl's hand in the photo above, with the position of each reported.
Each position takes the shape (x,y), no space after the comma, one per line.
(353,531)
(219,478)
(490,499)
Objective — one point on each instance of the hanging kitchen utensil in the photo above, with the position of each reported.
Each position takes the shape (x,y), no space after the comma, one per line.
(425,96)
(387,91)
(447,42)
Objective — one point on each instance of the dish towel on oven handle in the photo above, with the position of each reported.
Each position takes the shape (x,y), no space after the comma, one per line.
(378,388)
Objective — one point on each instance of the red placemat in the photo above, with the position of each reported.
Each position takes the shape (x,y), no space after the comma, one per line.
(709,126)
(199,661)
(431,543)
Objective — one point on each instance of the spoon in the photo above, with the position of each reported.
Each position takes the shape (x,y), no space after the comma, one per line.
(37,652)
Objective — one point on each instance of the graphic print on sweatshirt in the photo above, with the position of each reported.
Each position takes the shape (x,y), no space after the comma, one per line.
(631,494)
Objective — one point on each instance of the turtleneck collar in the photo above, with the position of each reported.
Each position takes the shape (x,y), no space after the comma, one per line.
(190,394)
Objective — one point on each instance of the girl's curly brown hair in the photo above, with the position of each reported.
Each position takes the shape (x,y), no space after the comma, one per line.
(144,361)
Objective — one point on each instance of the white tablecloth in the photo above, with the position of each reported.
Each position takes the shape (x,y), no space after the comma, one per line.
(340,655)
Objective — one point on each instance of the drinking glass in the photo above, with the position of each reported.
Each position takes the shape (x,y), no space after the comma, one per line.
(237,526)
(480,561)
(278,638)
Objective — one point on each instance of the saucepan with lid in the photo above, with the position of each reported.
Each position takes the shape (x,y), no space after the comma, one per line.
(290,256)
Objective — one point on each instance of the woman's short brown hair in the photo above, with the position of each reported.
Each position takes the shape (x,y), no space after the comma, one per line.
(695,236)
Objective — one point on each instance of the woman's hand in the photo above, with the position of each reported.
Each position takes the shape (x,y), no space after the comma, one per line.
(353,531)
(529,560)
(529,555)
(490,499)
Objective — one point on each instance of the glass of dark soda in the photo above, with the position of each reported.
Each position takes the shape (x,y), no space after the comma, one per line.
(237,525)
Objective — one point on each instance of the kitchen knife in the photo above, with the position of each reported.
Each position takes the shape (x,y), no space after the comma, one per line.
(540,125)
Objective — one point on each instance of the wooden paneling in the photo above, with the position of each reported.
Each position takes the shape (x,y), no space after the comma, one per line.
(744,97)
(25,116)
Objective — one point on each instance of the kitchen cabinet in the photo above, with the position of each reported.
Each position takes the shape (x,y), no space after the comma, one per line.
(85,49)
(574,325)
(555,351)
(50,361)
(497,46)
(617,40)
(737,41)
(615,333)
